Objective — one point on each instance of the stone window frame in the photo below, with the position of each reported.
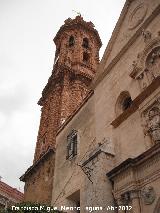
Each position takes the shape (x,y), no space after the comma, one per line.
(72,144)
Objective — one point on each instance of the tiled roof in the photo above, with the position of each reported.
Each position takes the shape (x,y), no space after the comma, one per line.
(11,192)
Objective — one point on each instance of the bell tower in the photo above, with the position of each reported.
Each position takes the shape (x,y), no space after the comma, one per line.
(76,59)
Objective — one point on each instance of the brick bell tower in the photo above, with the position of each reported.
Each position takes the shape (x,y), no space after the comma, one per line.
(76,59)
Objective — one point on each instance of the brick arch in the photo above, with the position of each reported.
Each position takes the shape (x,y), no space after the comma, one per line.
(157,208)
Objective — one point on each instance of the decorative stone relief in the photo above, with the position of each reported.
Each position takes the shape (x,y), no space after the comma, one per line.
(88,171)
(148,195)
(107,146)
(146,67)
(137,16)
(153,63)
(146,35)
(153,123)
(125,197)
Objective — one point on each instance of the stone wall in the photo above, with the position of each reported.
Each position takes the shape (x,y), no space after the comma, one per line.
(39,183)
(86,172)
(128,143)
(109,130)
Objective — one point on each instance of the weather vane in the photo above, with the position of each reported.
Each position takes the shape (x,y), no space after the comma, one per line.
(78,13)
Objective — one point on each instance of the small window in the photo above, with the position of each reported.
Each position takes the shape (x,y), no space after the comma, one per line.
(123,103)
(126,103)
(85,57)
(85,43)
(71,41)
(71,144)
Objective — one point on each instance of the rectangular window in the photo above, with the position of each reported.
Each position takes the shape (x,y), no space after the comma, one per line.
(71,144)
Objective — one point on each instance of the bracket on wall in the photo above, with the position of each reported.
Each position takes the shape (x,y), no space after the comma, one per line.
(88,165)
(85,166)
(87,171)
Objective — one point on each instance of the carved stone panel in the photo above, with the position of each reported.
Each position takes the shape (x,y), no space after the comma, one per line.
(148,195)
(152,119)
(146,67)
(153,63)
(137,16)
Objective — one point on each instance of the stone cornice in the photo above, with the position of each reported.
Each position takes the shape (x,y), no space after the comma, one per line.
(102,73)
(94,154)
(134,162)
(57,74)
(32,168)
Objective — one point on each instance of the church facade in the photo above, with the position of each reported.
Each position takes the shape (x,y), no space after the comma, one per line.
(99,138)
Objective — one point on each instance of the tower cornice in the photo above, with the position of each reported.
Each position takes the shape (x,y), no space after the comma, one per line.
(77,23)
(57,77)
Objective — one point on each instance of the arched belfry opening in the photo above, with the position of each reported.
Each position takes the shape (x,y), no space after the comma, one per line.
(85,43)
(86,57)
(71,41)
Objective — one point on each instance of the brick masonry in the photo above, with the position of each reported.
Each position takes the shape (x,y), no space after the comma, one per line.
(73,71)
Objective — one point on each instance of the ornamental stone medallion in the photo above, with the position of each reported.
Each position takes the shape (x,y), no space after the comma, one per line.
(153,122)
(137,16)
(148,195)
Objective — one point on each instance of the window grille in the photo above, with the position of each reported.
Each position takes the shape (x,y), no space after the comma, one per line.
(71,144)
